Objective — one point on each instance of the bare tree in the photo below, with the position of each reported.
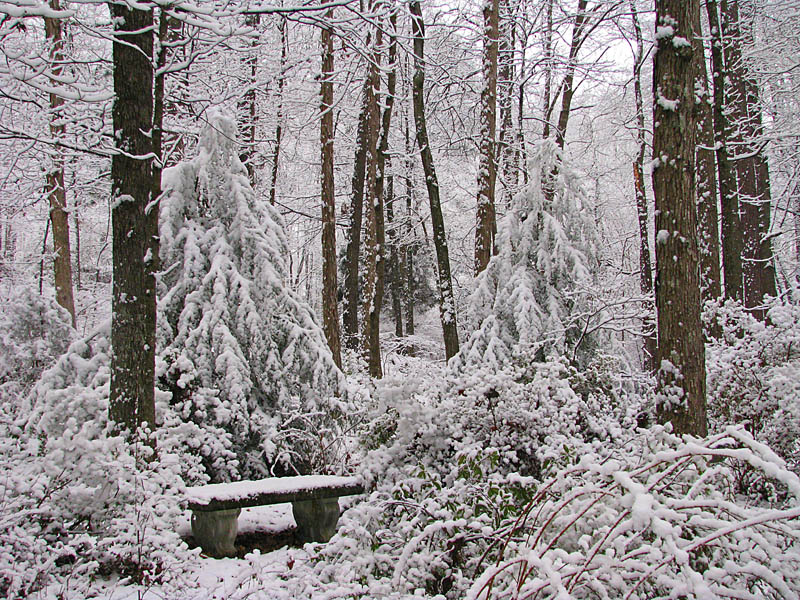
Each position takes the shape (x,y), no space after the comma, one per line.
(56,192)
(447,307)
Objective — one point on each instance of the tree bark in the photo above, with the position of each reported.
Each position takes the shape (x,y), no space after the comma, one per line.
(247,105)
(273,186)
(133,319)
(395,275)
(707,213)
(681,350)
(758,273)
(645,266)
(330,312)
(487,166)
(410,245)
(56,192)
(505,100)
(353,251)
(729,201)
(568,87)
(447,307)
(373,247)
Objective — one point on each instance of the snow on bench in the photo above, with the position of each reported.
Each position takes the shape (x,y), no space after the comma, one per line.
(216,507)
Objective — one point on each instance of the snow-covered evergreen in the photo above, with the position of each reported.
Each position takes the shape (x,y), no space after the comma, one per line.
(526,298)
(244,355)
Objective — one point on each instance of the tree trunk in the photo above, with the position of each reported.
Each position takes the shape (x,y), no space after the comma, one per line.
(353,251)
(56,192)
(154,208)
(568,87)
(487,166)
(645,266)
(729,201)
(707,213)
(447,306)
(383,161)
(547,103)
(133,316)
(373,251)
(505,100)
(330,312)
(247,105)
(758,273)
(681,351)
(410,242)
(273,186)
(395,275)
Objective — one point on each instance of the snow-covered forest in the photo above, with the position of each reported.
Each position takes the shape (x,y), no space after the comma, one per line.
(517,281)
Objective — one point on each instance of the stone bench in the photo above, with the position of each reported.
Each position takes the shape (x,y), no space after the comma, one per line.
(216,507)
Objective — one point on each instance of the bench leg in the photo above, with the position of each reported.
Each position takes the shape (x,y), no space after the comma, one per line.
(316,519)
(215,531)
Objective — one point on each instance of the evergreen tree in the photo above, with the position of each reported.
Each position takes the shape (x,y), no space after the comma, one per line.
(524,300)
(243,354)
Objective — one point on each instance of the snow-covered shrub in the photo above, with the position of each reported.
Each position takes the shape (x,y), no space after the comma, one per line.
(445,463)
(530,297)
(79,499)
(34,332)
(656,519)
(753,378)
(243,355)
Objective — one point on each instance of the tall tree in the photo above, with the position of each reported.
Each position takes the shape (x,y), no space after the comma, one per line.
(373,231)
(485,226)
(330,312)
(447,306)
(133,317)
(353,250)
(731,232)
(56,192)
(758,272)
(705,169)
(276,152)
(248,113)
(645,265)
(681,351)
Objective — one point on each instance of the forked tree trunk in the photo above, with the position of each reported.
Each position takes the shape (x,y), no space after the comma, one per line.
(681,350)
(133,317)
(330,312)
(447,306)
(731,231)
(56,192)
(487,166)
